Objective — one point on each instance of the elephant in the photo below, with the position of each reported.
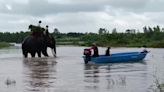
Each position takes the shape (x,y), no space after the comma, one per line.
(38,44)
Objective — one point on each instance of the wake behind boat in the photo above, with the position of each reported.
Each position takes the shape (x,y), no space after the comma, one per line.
(117,57)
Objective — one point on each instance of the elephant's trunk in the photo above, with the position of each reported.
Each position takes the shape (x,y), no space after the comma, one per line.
(54,52)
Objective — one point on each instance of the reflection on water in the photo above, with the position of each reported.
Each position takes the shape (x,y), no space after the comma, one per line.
(91,76)
(113,77)
(40,74)
(68,73)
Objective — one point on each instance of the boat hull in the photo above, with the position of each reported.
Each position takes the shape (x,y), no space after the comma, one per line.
(119,57)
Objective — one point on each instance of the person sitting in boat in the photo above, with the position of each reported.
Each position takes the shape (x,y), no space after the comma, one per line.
(95,50)
(107,52)
(144,49)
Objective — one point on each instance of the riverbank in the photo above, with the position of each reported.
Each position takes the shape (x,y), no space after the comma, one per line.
(152,39)
(157,44)
(4,45)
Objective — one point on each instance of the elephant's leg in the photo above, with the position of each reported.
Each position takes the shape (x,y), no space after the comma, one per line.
(25,53)
(44,52)
(33,54)
(39,54)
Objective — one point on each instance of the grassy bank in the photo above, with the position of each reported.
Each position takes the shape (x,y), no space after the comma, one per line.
(4,44)
(155,44)
(126,40)
(150,38)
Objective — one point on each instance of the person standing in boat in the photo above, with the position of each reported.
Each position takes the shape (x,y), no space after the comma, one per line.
(95,50)
(107,53)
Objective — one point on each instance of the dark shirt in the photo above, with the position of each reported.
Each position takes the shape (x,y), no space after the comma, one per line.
(95,50)
(107,52)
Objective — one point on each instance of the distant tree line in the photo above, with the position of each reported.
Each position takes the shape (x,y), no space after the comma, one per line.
(13,37)
(151,37)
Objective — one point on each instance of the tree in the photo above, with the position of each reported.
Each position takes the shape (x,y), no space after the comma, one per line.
(128,31)
(150,29)
(145,30)
(56,31)
(156,29)
(102,31)
(162,30)
(114,31)
(132,31)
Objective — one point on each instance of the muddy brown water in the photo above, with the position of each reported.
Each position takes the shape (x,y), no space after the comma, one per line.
(68,73)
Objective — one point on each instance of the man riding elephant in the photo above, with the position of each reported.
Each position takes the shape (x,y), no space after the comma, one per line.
(36,31)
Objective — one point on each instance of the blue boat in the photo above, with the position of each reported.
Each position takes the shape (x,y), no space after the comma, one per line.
(118,57)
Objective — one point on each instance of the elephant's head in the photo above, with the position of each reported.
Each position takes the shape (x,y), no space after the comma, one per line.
(50,42)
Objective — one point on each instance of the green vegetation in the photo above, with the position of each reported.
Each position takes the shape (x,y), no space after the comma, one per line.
(4,44)
(151,37)
(13,37)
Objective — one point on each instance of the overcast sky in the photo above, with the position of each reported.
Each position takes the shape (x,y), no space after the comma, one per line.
(80,15)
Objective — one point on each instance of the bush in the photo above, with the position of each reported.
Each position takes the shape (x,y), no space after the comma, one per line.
(159,44)
(4,44)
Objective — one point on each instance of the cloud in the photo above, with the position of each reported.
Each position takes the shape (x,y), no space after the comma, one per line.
(81,15)
(44,7)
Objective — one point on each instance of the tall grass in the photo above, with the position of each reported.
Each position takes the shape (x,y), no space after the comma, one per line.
(4,44)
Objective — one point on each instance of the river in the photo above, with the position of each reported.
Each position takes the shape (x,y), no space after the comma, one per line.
(68,73)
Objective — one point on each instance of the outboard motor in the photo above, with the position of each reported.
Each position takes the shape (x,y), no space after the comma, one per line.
(87,53)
